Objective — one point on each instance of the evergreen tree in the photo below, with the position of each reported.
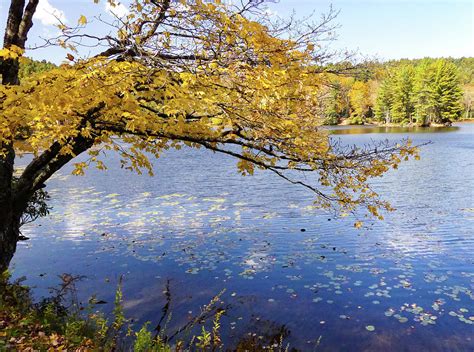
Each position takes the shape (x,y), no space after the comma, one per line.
(331,108)
(424,93)
(447,93)
(29,67)
(402,107)
(337,106)
(384,101)
(421,91)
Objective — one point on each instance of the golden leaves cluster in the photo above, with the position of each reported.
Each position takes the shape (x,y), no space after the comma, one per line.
(246,92)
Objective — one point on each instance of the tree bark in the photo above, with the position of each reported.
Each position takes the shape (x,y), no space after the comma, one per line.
(19,22)
(7,236)
(9,233)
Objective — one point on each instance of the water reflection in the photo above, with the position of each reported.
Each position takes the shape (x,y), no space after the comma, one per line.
(206,228)
(385,129)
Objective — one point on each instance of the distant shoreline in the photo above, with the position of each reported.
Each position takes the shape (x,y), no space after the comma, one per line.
(374,124)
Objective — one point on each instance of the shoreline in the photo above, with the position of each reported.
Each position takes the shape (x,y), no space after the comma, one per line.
(390,125)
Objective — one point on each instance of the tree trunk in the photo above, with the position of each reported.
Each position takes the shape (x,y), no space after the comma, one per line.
(8,238)
(19,22)
(9,232)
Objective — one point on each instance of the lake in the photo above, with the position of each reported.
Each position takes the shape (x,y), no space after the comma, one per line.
(402,284)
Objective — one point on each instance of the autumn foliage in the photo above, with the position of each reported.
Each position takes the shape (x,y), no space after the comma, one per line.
(202,74)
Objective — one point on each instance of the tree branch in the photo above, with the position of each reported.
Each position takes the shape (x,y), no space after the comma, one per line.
(13,24)
(44,166)
(26,22)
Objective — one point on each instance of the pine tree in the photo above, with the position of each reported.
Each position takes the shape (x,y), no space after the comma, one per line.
(384,101)
(402,107)
(331,108)
(447,93)
(337,106)
(424,93)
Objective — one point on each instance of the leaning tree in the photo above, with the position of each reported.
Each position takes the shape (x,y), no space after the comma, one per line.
(228,78)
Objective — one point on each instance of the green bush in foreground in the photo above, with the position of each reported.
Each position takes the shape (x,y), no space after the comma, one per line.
(47,325)
(59,323)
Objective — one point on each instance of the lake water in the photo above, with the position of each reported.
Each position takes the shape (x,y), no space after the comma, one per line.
(205,228)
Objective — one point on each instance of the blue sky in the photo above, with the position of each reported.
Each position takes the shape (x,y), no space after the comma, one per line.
(386,29)
(392,29)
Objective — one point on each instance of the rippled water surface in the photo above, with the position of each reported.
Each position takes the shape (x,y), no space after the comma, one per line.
(283,264)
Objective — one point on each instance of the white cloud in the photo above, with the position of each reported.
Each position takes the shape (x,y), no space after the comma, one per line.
(48,15)
(119,10)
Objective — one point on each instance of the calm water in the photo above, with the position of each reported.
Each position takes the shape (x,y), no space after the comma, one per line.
(204,227)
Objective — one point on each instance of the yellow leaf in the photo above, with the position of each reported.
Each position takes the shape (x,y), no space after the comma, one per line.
(82,20)
(358,224)
(216,121)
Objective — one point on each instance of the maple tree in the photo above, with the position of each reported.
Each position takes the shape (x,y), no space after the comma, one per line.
(203,74)
(359,96)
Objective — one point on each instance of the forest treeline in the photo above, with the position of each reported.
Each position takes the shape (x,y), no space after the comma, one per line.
(29,67)
(401,92)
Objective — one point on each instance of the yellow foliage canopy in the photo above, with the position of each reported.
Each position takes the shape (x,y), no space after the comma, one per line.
(201,74)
